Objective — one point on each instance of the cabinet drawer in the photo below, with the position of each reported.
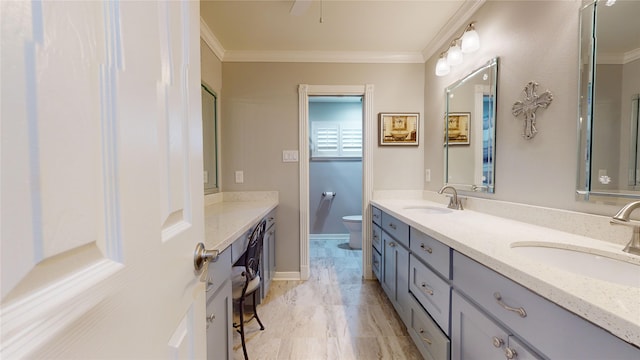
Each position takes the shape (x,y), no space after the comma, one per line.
(376,215)
(432,252)
(218,272)
(432,343)
(376,237)
(431,291)
(376,263)
(548,327)
(396,228)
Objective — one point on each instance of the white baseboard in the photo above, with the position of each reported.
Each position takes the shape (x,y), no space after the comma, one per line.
(286,275)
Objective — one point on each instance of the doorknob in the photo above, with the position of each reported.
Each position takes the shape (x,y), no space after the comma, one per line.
(202,256)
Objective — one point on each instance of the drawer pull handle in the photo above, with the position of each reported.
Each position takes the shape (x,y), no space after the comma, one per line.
(393,226)
(426,289)
(424,338)
(497,342)
(510,353)
(426,248)
(520,311)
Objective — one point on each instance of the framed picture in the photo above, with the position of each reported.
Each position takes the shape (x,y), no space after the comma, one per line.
(458,129)
(398,128)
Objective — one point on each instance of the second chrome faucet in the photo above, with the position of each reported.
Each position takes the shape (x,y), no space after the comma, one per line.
(454,202)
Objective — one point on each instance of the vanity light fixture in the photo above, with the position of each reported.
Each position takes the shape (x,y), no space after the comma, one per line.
(442,66)
(468,42)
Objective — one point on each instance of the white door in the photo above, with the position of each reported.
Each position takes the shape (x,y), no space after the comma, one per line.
(102,196)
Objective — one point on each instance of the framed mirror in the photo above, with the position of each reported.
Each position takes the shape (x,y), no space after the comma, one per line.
(209,139)
(470,129)
(609,142)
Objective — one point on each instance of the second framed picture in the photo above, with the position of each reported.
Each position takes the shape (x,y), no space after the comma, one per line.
(458,129)
(398,128)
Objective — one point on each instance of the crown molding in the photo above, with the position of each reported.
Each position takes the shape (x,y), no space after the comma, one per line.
(452,27)
(618,59)
(325,57)
(211,40)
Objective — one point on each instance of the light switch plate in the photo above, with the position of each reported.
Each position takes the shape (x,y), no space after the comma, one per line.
(427,175)
(289,155)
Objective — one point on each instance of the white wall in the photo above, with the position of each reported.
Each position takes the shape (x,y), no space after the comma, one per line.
(261,120)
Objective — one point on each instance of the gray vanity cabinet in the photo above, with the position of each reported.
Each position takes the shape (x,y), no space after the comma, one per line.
(476,336)
(395,274)
(268,262)
(549,329)
(394,270)
(376,253)
(219,308)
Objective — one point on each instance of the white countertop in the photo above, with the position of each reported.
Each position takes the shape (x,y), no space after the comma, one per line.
(487,239)
(228,219)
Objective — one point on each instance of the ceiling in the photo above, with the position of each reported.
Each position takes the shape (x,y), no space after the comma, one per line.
(389,30)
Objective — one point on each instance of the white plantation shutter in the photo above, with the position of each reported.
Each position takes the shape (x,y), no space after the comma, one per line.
(330,139)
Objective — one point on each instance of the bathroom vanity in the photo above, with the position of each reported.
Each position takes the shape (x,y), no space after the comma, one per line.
(464,292)
(229,219)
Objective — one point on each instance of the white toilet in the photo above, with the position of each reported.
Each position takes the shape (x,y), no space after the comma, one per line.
(353,223)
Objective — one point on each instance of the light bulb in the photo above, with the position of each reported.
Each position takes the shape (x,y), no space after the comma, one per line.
(442,67)
(454,55)
(470,41)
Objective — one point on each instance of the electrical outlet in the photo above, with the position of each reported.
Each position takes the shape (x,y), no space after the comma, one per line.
(239,177)
(205,176)
(427,175)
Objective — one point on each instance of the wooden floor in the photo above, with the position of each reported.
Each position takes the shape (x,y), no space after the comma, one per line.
(333,315)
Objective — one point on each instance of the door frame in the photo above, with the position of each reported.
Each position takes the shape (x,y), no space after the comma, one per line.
(368,132)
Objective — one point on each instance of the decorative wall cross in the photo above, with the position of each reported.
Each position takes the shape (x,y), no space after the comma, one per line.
(532,101)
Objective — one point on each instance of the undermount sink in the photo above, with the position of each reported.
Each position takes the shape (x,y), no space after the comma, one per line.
(429,209)
(619,268)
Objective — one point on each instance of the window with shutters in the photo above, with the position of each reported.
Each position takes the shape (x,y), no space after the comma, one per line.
(334,139)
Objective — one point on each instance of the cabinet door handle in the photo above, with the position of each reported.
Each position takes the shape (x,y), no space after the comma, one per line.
(510,353)
(520,311)
(210,319)
(392,244)
(426,289)
(497,342)
(426,248)
(393,226)
(375,237)
(428,341)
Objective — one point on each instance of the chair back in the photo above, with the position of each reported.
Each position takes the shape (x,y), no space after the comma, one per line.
(254,251)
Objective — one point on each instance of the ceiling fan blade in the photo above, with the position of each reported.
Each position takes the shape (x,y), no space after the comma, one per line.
(299,7)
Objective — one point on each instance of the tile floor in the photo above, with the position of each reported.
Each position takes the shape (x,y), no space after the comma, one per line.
(333,315)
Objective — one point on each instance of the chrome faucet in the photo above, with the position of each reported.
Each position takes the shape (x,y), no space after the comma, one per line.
(622,218)
(454,202)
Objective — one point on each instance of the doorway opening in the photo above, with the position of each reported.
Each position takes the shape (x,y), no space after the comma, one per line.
(364,94)
(335,176)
